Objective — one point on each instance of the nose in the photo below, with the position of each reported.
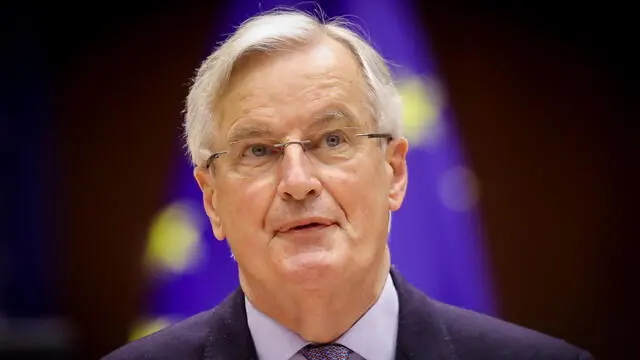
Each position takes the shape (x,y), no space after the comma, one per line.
(298,179)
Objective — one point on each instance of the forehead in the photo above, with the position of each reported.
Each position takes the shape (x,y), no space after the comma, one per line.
(291,88)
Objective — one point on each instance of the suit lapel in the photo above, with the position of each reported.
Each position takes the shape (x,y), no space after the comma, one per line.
(229,337)
(421,334)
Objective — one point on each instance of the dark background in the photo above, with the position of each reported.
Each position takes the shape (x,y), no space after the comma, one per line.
(90,116)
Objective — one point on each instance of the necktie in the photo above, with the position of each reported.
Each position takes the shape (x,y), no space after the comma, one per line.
(326,352)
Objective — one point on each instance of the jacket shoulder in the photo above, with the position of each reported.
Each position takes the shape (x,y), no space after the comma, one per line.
(183,340)
(220,333)
(475,336)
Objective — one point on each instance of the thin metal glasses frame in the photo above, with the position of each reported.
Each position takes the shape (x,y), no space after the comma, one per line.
(218,154)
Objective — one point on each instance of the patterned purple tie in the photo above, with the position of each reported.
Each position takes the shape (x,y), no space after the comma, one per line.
(326,352)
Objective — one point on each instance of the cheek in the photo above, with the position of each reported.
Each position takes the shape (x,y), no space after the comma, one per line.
(362,195)
(243,208)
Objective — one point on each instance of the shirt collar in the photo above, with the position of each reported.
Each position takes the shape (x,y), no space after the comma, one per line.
(373,336)
(272,340)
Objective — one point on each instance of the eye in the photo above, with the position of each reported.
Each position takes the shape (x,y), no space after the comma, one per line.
(333,139)
(257,150)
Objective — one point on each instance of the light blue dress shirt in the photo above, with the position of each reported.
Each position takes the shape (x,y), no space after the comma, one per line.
(373,337)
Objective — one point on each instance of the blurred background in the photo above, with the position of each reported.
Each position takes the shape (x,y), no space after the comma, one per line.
(522,178)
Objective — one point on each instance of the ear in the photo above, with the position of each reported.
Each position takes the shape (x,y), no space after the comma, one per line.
(208,187)
(398,177)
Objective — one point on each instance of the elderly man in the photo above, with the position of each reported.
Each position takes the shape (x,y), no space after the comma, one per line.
(293,126)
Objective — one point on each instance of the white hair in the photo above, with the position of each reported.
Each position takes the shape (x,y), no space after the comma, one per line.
(275,31)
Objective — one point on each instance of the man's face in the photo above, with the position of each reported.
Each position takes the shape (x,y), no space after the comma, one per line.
(301,218)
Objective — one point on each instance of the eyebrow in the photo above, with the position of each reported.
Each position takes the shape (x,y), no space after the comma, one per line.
(332,115)
(248,131)
(262,130)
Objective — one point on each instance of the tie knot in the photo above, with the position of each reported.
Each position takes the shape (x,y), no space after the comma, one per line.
(326,352)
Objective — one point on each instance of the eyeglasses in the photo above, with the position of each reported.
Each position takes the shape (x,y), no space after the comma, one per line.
(252,157)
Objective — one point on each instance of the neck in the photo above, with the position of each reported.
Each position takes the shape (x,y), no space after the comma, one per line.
(320,315)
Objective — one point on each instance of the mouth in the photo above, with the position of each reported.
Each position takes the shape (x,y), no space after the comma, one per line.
(305,225)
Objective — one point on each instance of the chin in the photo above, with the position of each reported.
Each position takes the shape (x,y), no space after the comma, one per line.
(311,268)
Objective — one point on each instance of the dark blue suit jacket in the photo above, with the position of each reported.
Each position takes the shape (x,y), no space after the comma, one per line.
(427,330)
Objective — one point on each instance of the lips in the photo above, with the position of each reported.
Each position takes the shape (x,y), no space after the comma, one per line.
(305,224)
